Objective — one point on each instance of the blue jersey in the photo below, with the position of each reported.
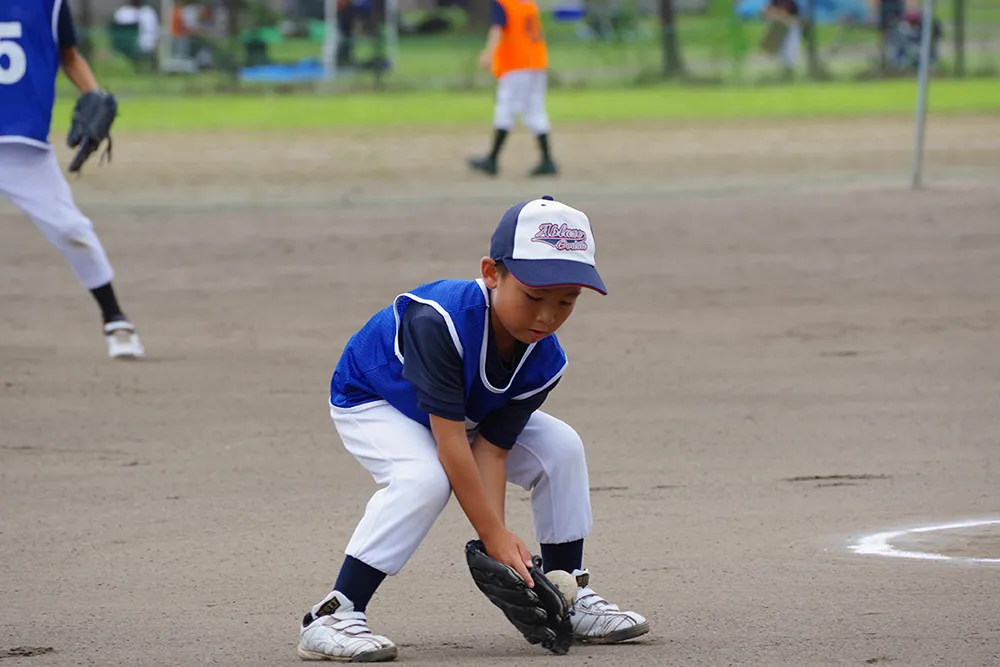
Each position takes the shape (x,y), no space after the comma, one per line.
(371,367)
(29,64)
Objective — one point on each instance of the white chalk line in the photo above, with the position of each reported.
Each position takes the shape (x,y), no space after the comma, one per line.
(879,544)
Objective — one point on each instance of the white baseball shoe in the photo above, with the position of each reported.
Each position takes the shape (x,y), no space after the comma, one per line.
(597,621)
(123,341)
(334,631)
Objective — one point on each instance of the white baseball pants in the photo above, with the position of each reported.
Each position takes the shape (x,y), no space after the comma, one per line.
(522,93)
(30,179)
(401,455)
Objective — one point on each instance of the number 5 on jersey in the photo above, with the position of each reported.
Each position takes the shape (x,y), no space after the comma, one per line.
(16,63)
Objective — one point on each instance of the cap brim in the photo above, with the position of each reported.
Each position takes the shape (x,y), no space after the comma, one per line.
(545,273)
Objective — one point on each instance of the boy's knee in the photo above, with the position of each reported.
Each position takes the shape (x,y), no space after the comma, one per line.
(566,446)
(428,485)
(74,230)
(79,241)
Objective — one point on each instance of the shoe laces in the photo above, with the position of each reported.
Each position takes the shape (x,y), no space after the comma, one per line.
(591,601)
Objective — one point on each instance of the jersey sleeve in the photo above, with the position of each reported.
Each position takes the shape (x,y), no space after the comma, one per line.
(503,426)
(65,29)
(431,362)
(498,16)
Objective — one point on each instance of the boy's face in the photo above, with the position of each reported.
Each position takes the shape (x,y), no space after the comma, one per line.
(528,314)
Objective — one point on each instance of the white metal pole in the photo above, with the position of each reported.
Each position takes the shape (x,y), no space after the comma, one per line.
(331,38)
(165,45)
(927,27)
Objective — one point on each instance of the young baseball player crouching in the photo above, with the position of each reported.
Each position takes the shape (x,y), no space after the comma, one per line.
(439,392)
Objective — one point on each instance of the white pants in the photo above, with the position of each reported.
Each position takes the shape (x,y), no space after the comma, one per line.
(791,46)
(522,92)
(30,179)
(401,454)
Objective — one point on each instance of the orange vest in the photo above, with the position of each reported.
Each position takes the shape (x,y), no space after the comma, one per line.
(522,44)
(177,27)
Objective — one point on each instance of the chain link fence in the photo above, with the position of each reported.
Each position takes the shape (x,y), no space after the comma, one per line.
(245,45)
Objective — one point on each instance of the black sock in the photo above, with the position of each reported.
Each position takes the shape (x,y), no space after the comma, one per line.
(499,137)
(105,297)
(567,556)
(543,146)
(358,581)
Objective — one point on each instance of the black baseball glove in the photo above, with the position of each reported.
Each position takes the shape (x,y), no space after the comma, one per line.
(93,115)
(540,613)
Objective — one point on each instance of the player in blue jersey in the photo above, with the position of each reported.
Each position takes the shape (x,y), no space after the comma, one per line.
(37,38)
(440,392)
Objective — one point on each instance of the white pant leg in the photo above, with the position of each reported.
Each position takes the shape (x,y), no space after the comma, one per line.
(791,45)
(31,179)
(549,461)
(401,455)
(513,90)
(535,117)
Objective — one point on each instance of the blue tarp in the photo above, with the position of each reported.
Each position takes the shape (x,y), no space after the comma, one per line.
(826,11)
(306,70)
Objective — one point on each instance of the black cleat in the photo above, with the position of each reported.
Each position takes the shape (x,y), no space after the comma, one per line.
(486,165)
(545,168)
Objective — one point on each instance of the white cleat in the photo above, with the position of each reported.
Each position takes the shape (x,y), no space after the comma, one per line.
(123,341)
(340,633)
(597,621)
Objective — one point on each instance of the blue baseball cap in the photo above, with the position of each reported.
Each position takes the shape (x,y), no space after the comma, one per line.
(545,243)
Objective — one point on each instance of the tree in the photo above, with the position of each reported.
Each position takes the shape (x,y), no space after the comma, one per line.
(959,18)
(811,35)
(230,60)
(85,22)
(673,66)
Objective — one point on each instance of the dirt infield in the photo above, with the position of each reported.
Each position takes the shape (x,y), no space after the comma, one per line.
(796,352)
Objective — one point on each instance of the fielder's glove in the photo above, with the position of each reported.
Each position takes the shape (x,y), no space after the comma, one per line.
(93,115)
(540,613)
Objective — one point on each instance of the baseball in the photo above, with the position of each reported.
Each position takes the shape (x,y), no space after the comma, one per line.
(565,582)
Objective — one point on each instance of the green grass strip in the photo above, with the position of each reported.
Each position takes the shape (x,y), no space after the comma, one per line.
(430,109)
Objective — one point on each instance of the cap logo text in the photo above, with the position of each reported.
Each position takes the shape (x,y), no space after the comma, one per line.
(561,237)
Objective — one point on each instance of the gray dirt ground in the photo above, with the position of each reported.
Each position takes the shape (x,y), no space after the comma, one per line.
(781,307)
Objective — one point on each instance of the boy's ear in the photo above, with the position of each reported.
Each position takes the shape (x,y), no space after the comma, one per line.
(491,277)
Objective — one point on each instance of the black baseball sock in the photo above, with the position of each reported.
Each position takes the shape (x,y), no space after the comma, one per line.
(358,581)
(105,297)
(499,137)
(566,556)
(543,146)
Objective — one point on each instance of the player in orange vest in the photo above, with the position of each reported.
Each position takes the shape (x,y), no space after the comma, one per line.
(517,55)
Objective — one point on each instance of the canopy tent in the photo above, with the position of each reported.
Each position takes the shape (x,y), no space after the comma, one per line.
(171,61)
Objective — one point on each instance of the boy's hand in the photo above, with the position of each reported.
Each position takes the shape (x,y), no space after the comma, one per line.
(507,548)
(486,61)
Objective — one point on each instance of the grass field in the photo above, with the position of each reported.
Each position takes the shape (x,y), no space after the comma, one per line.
(277,112)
